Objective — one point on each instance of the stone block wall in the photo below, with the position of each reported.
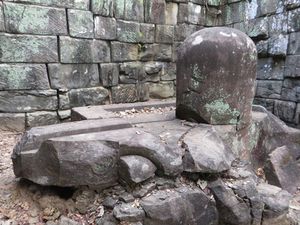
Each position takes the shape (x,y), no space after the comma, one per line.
(55,55)
(274,25)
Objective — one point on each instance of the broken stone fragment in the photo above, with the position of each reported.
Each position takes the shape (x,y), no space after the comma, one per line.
(135,169)
(62,163)
(127,212)
(216,71)
(282,168)
(180,206)
(205,151)
(276,200)
(232,210)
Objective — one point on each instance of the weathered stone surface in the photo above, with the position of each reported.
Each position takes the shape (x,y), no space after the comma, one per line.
(64,114)
(41,118)
(127,212)
(102,7)
(285,110)
(276,200)
(147,32)
(191,13)
(81,23)
(256,28)
(232,210)
(109,74)
(294,43)
(270,69)
(34,19)
(268,89)
(199,71)
(134,10)
(124,93)
(68,76)
(23,76)
(107,219)
(262,48)
(292,68)
(155,11)
(168,71)
(105,28)
(290,94)
(135,169)
(282,169)
(205,151)
(184,206)
(268,7)
(2,25)
(184,30)
(278,24)
(131,72)
(278,45)
(162,90)
(171,13)
(83,51)
(76,4)
(156,52)
(34,137)
(96,168)
(28,101)
(128,31)
(87,96)
(26,48)
(293,20)
(235,13)
(267,103)
(12,122)
(164,34)
(124,52)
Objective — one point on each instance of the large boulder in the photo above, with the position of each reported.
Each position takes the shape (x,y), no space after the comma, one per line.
(216,71)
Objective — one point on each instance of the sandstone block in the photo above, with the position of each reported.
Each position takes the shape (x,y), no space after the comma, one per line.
(73,4)
(26,48)
(109,74)
(155,11)
(28,101)
(124,52)
(41,118)
(81,23)
(83,51)
(12,122)
(147,33)
(87,96)
(268,89)
(69,76)
(23,76)
(292,67)
(128,31)
(269,68)
(102,7)
(34,19)
(293,20)
(164,34)
(105,28)
(156,52)
(294,44)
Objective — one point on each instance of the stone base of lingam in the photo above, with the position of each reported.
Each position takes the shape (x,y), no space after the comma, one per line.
(177,170)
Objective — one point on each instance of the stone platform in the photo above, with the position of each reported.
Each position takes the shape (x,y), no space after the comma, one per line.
(124,144)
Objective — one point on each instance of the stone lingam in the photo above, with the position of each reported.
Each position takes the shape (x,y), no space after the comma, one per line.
(215,86)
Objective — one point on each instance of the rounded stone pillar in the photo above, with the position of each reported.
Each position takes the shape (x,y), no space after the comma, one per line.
(216,73)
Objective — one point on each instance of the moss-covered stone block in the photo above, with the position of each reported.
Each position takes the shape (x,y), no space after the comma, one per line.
(83,50)
(27,48)
(31,19)
(23,77)
(105,28)
(81,23)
